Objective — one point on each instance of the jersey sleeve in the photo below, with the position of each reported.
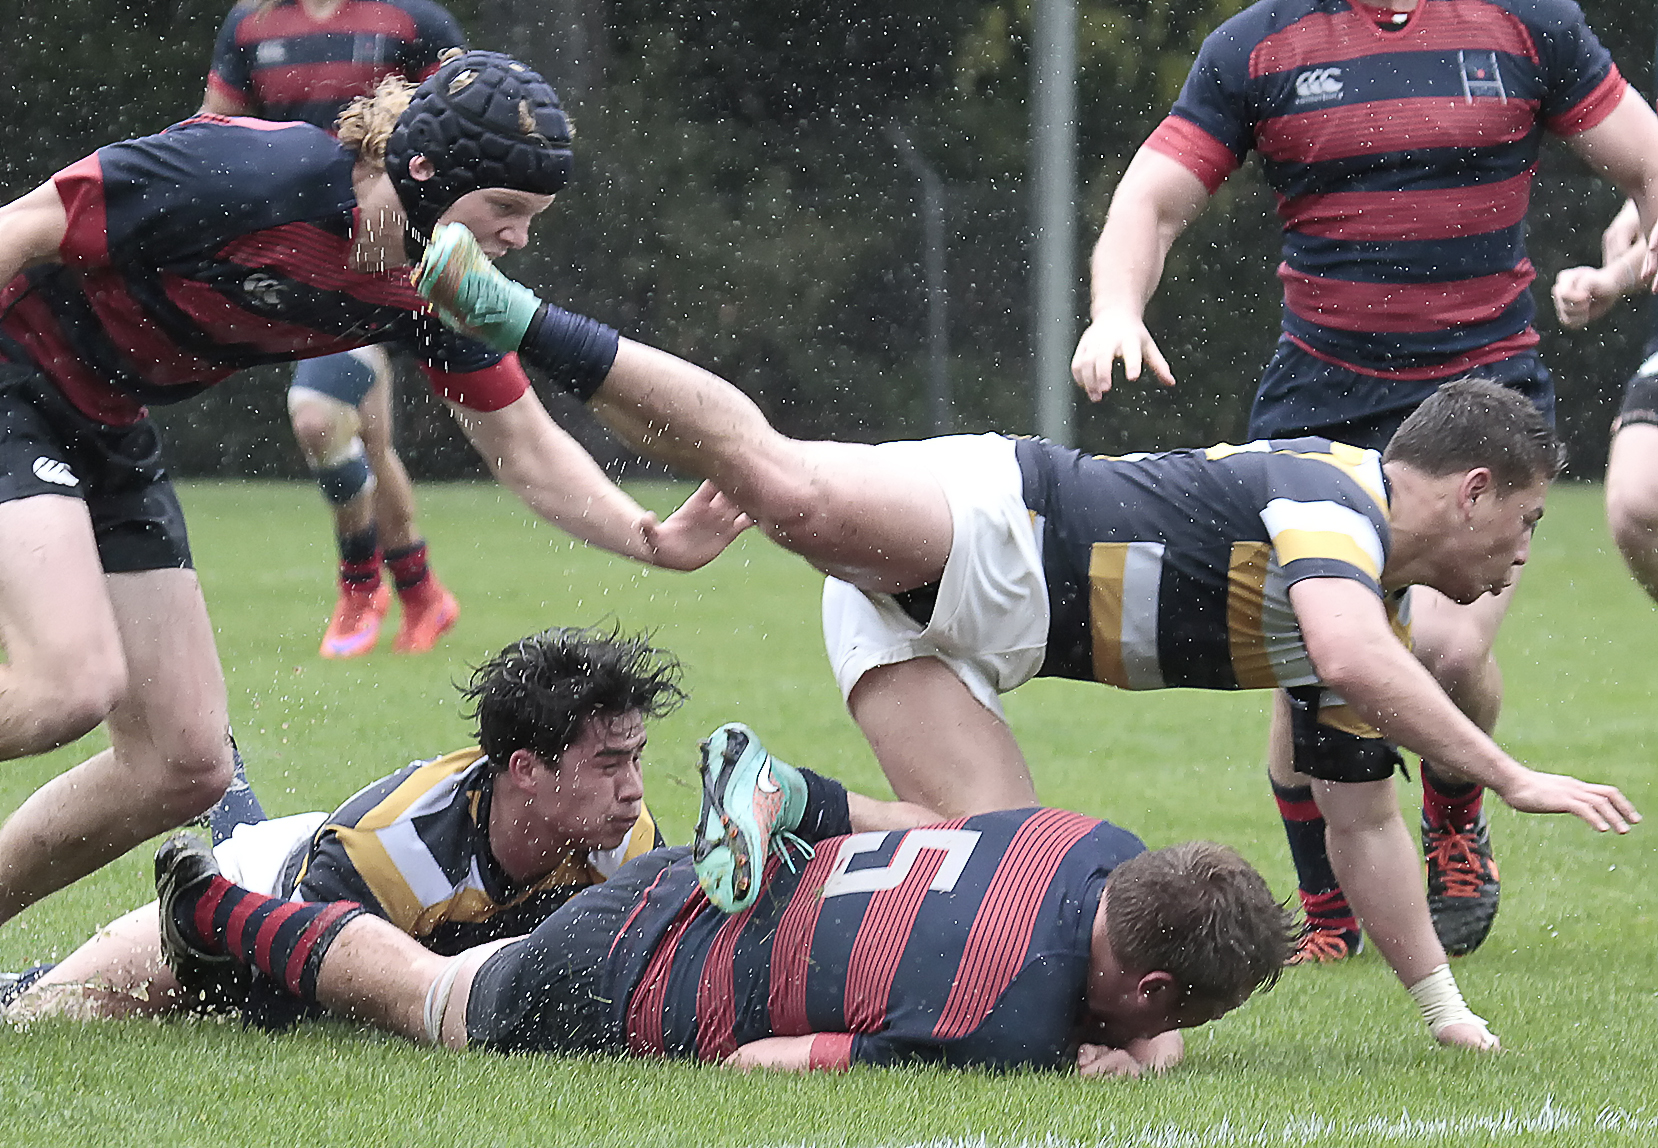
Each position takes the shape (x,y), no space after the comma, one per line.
(1324,523)
(436,31)
(1211,128)
(483,388)
(331,874)
(1582,83)
(229,73)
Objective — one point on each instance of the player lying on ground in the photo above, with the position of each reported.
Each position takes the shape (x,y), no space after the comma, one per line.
(962,567)
(159,266)
(1041,938)
(476,845)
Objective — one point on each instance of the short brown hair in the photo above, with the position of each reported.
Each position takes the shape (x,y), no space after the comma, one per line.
(1474,422)
(367,122)
(1201,913)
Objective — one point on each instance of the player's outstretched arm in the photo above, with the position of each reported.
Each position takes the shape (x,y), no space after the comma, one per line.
(538,461)
(1152,205)
(787,1054)
(1623,147)
(1356,654)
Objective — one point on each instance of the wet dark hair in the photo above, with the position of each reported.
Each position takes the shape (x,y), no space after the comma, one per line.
(1201,913)
(536,693)
(1474,422)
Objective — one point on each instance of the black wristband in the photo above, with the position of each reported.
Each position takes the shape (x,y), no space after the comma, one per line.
(576,352)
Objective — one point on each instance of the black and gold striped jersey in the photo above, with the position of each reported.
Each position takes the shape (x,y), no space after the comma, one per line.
(414,848)
(1173,569)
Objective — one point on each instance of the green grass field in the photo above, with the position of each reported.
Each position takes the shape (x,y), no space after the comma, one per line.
(1332,1056)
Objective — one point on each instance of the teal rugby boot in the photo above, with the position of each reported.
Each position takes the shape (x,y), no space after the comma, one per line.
(751,803)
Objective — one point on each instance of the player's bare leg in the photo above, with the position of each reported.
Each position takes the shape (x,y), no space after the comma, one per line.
(64,669)
(394,501)
(854,511)
(1632,501)
(169,757)
(938,745)
(116,973)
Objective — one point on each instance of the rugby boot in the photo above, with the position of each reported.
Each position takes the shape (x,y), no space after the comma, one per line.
(1331,933)
(184,867)
(429,612)
(1463,888)
(355,625)
(1321,946)
(467,292)
(14,985)
(751,803)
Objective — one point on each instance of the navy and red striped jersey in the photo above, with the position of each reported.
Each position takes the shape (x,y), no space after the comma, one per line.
(278,62)
(1402,159)
(216,245)
(962,943)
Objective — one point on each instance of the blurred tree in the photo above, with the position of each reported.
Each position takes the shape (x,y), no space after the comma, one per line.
(738,200)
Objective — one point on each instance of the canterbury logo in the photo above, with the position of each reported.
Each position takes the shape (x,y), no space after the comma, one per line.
(55,471)
(1318,84)
(764,782)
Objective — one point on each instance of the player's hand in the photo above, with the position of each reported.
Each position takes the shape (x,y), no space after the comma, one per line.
(1099,1060)
(1474,1036)
(696,533)
(1602,806)
(1112,336)
(1583,294)
(469,294)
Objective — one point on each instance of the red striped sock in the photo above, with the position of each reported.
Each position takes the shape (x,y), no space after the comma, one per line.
(285,940)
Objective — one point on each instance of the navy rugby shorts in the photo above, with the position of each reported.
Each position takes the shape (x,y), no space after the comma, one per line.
(547,992)
(1302,395)
(49,447)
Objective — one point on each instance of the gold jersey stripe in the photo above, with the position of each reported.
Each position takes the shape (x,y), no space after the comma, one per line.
(1106,562)
(417,785)
(1343,718)
(1246,579)
(1294,544)
(379,872)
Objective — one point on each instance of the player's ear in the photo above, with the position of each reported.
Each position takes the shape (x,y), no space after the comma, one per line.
(522,765)
(1158,987)
(421,168)
(1476,482)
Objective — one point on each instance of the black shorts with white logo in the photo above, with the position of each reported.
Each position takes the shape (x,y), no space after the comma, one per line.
(49,447)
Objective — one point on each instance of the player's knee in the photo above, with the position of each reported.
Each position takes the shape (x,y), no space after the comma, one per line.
(197,771)
(1633,517)
(347,479)
(323,426)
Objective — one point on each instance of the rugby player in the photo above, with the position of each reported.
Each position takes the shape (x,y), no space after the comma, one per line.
(961,567)
(1042,939)
(465,848)
(157,267)
(307,60)
(1401,138)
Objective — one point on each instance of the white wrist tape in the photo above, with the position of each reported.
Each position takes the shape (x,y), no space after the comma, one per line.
(1441,1001)
(437,998)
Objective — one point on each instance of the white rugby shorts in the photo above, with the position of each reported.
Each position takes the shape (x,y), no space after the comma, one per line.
(254,854)
(990,622)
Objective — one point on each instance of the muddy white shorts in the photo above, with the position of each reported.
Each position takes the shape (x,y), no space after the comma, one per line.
(989,623)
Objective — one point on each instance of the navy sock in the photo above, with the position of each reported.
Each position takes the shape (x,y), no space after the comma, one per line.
(239,806)
(826,813)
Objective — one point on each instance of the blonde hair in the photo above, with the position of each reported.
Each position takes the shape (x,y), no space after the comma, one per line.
(367,122)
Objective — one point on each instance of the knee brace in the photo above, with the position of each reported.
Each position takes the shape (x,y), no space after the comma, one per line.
(344,479)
